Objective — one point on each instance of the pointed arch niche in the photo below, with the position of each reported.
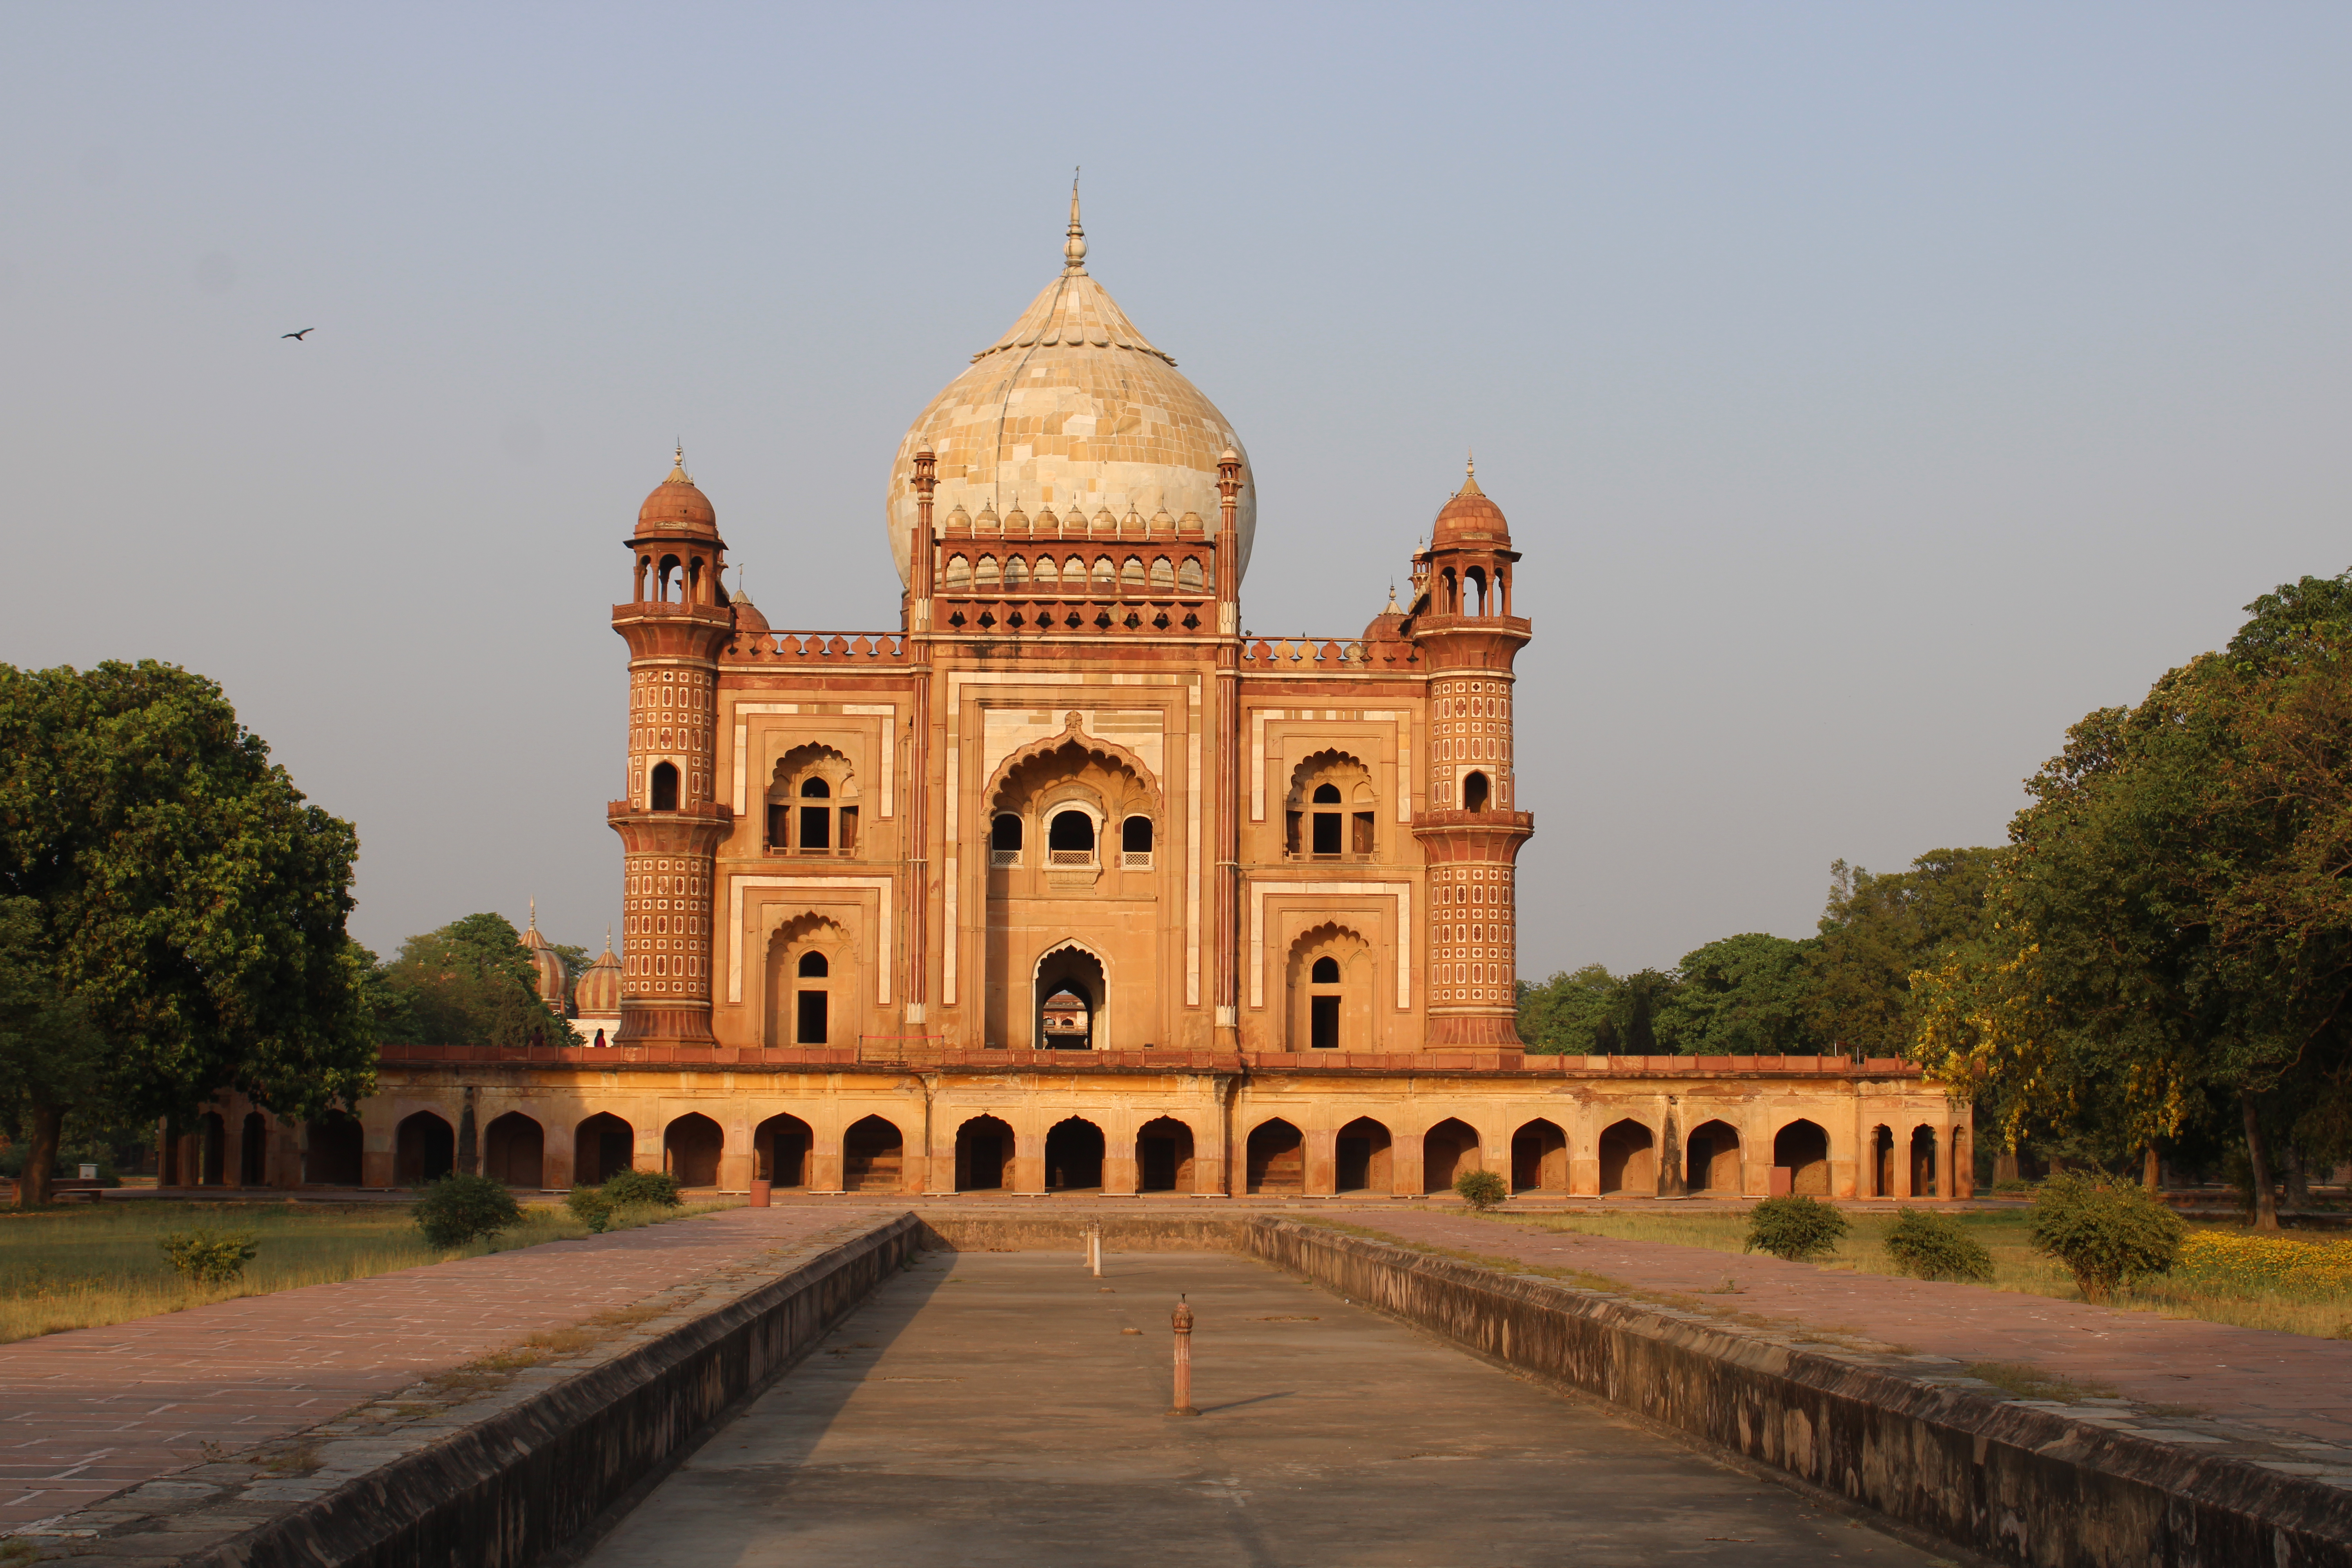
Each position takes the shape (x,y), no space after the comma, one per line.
(1331,812)
(814,985)
(813,804)
(1071,1006)
(1331,979)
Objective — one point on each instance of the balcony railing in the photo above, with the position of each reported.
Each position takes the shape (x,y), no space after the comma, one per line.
(1004,859)
(1135,859)
(1077,858)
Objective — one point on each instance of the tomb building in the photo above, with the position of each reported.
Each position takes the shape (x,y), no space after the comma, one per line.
(1065,882)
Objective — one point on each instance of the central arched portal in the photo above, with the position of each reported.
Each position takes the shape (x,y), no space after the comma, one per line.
(1070,992)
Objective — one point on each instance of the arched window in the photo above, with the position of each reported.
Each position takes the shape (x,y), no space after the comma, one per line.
(985,576)
(811,1001)
(959,573)
(1452,592)
(1074,574)
(1188,576)
(1049,575)
(1130,571)
(1016,572)
(1163,574)
(1328,832)
(1135,843)
(1325,973)
(1070,839)
(1473,591)
(1473,791)
(1005,840)
(814,966)
(665,787)
(816,821)
(1106,580)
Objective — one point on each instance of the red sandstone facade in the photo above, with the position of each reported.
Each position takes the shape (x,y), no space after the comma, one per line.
(1067,882)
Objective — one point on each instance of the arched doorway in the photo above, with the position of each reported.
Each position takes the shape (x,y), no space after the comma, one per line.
(1923,1162)
(1448,1150)
(253,1150)
(333,1147)
(1629,1159)
(873,1157)
(780,1151)
(984,1155)
(1363,1163)
(1712,1159)
(1882,1162)
(1540,1158)
(212,1158)
(1071,991)
(690,1150)
(424,1149)
(601,1147)
(1074,1156)
(514,1150)
(1164,1156)
(1802,1149)
(1274,1160)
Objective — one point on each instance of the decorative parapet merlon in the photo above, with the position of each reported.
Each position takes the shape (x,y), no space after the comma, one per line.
(835,647)
(1282,655)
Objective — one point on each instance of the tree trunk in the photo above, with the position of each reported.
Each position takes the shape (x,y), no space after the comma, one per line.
(2004,1166)
(2258,1157)
(40,1155)
(2151,1168)
(2298,1176)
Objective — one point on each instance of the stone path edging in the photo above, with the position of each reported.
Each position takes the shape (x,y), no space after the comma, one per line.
(503,1479)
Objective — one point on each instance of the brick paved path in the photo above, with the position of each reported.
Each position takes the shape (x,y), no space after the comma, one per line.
(2294,1385)
(89,1411)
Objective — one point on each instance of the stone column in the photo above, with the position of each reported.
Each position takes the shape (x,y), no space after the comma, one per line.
(1404,1164)
(1322,1153)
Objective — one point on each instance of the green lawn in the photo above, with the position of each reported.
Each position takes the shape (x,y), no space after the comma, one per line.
(91,1264)
(2320,1310)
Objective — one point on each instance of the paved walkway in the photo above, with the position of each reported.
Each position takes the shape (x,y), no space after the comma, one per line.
(988,1408)
(91,1412)
(2294,1385)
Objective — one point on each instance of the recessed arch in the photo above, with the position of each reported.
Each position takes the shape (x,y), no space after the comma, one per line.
(424,1149)
(1629,1159)
(1074,1156)
(1802,1149)
(1071,969)
(984,1155)
(780,1151)
(1274,1158)
(514,1150)
(1448,1151)
(1539,1157)
(602,1146)
(691,1146)
(873,1156)
(1712,1162)
(1363,1157)
(1164,1156)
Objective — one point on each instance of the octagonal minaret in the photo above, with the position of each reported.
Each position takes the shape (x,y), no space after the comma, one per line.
(1471,833)
(676,622)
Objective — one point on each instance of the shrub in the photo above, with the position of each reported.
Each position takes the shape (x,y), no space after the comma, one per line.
(460,1207)
(2106,1233)
(1932,1246)
(1482,1190)
(589,1207)
(1794,1227)
(210,1257)
(643,1187)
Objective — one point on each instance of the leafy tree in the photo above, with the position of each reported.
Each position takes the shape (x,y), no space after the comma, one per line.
(2168,942)
(1875,930)
(181,903)
(469,982)
(1570,1014)
(1740,996)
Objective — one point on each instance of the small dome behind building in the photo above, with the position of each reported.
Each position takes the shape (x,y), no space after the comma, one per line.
(598,995)
(554,985)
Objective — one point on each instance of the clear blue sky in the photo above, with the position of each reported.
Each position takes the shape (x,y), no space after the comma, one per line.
(1874,389)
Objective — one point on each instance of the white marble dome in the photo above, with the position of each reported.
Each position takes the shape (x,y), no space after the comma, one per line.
(1073,407)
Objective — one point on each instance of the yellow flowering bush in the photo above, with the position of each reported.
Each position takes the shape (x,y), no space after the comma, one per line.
(2266,1262)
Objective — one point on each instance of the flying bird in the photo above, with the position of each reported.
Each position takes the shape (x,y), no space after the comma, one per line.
(297,337)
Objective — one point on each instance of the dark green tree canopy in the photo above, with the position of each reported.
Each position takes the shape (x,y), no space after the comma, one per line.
(469,982)
(187,905)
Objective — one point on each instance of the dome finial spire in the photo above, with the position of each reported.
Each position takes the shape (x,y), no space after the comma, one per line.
(1073,249)
(1470,475)
(677,464)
